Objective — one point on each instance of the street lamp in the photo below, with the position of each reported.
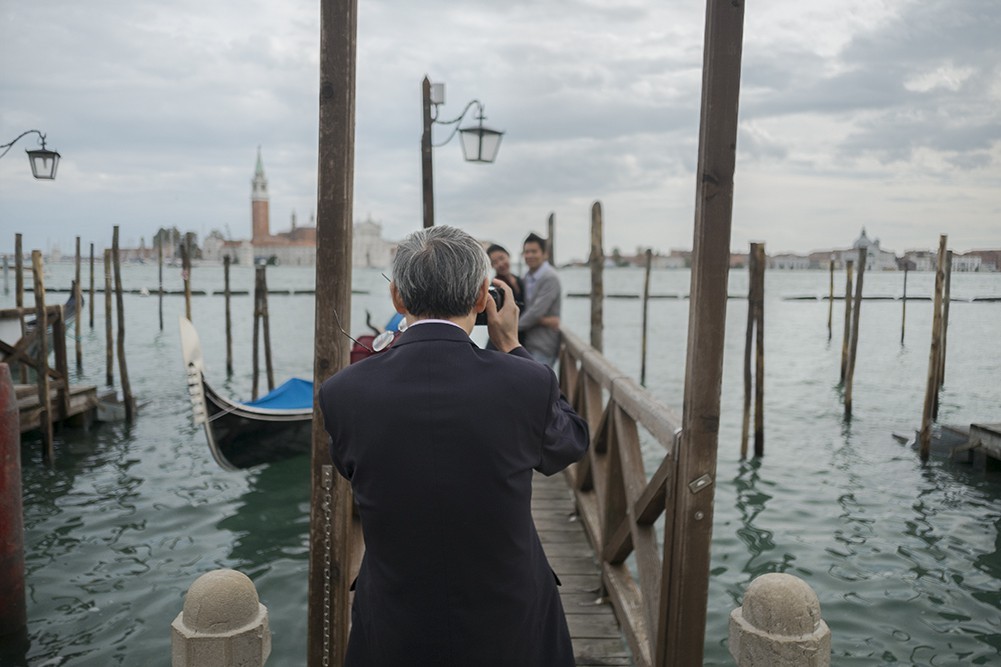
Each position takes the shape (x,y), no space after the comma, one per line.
(43,161)
(479,143)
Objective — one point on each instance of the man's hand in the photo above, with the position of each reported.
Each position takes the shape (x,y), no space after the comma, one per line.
(502,325)
(551,321)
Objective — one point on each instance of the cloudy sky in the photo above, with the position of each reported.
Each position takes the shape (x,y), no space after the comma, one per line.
(875,113)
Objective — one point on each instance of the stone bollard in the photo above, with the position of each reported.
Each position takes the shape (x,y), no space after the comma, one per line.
(223,624)
(779,625)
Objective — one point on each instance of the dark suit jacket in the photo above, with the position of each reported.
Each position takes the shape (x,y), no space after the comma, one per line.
(439,440)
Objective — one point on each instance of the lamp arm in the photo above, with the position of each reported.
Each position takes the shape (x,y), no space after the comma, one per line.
(18,137)
(457,120)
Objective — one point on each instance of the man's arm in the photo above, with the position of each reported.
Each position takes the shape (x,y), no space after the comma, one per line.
(546,296)
(566,434)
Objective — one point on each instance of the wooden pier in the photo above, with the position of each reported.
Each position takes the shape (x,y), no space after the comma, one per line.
(81,404)
(596,637)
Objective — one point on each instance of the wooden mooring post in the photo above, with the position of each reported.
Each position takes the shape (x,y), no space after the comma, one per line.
(646,308)
(19,294)
(334,532)
(261,321)
(830,302)
(934,358)
(42,360)
(853,346)
(849,264)
(90,304)
(6,275)
(754,339)
(551,241)
(123,372)
(682,617)
(229,319)
(159,268)
(903,309)
(78,297)
(109,346)
(597,263)
(186,274)
(946,300)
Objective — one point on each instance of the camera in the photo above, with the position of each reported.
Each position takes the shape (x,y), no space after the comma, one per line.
(498,297)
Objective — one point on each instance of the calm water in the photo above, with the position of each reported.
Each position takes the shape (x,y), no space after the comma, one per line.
(906,558)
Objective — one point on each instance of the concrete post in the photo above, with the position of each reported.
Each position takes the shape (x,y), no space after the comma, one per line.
(779,625)
(223,624)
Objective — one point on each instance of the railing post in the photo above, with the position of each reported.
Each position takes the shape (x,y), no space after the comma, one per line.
(223,624)
(779,625)
(685,582)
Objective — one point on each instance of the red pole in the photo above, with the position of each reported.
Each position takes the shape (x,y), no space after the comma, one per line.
(13,617)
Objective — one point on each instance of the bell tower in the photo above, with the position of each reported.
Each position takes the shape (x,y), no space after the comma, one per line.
(259,204)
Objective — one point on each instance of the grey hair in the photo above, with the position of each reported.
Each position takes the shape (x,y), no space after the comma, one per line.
(438,272)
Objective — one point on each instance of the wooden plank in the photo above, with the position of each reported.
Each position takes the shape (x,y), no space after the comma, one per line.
(594,629)
(45,419)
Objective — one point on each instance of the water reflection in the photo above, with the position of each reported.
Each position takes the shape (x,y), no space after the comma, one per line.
(270,519)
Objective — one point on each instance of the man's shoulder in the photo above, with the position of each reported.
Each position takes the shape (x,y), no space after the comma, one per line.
(528,369)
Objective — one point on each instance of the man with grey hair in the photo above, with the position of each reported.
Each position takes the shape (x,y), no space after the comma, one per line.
(440,441)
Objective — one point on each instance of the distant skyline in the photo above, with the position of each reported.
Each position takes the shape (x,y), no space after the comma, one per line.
(863,113)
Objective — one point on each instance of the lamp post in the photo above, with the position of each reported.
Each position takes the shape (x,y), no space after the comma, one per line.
(43,161)
(479,143)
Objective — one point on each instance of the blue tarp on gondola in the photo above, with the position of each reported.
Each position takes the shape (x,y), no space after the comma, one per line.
(294,394)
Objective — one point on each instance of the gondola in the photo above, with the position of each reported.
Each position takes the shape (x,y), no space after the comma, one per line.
(276,426)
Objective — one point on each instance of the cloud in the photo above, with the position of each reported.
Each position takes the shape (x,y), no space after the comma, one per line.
(866,110)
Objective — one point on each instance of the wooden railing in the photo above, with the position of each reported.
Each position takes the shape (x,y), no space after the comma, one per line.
(618,503)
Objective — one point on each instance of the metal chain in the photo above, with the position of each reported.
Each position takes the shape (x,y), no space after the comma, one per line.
(328,480)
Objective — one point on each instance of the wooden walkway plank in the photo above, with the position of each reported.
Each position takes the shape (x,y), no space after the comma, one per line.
(597,639)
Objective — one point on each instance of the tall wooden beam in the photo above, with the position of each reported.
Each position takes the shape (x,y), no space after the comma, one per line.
(597,262)
(934,356)
(332,532)
(681,630)
(427,166)
(42,366)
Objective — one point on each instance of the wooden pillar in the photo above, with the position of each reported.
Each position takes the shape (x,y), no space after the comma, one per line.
(6,275)
(427,168)
(91,292)
(759,352)
(58,326)
(123,372)
(752,284)
(42,360)
(255,368)
(159,267)
(551,241)
(261,315)
(830,302)
(903,310)
(186,274)
(934,360)
(19,294)
(597,263)
(646,308)
(78,297)
(109,349)
(680,634)
(848,319)
(853,346)
(335,535)
(946,300)
(229,319)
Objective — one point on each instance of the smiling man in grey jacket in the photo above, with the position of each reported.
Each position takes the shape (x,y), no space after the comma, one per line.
(539,322)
